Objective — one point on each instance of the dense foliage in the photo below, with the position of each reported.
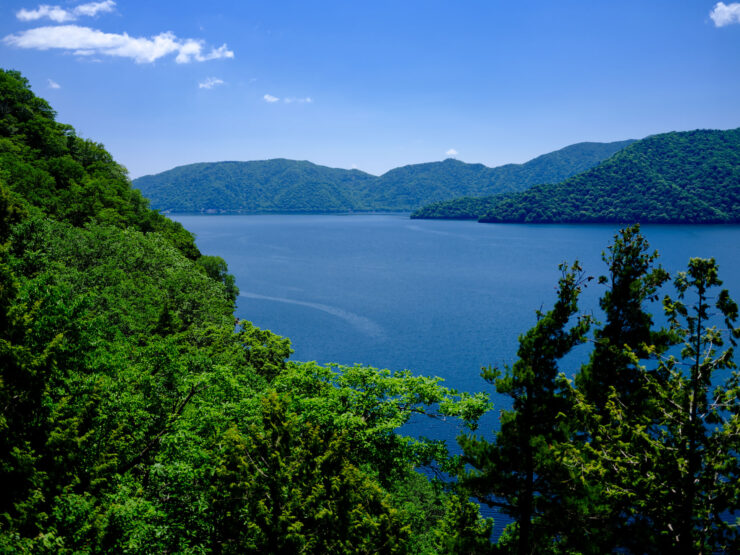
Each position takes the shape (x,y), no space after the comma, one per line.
(292,186)
(137,418)
(681,177)
(465,208)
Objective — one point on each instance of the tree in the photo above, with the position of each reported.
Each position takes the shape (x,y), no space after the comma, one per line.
(633,280)
(698,432)
(668,474)
(216,268)
(518,472)
(286,486)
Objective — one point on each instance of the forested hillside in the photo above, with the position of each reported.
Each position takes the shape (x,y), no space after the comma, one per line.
(465,208)
(292,186)
(260,186)
(416,185)
(136,417)
(680,177)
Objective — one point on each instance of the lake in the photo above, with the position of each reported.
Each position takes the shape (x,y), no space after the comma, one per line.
(440,298)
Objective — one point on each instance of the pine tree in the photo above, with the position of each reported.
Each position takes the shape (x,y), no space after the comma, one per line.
(518,472)
(628,331)
(698,431)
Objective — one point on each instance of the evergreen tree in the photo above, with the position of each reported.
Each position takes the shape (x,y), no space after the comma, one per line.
(288,487)
(666,469)
(633,280)
(518,472)
(613,405)
(700,410)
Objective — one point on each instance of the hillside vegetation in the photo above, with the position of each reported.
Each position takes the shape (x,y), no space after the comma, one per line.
(680,177)
(292,186)
(137,418)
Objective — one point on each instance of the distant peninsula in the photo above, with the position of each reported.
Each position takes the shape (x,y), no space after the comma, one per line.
(290,186)
(678,177)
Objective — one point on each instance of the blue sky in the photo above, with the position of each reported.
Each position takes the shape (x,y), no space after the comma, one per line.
(374,85)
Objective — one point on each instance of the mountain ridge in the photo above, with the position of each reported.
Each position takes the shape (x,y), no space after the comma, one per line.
(284,185)
(675,177)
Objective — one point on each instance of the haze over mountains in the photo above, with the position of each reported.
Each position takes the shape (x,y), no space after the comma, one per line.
(679,177)
(281,185)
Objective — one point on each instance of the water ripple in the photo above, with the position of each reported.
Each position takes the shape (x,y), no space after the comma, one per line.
(362,324)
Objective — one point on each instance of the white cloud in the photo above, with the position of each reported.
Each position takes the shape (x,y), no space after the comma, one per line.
(55,13)
(84,41)
(54,85)
(305,100)
(725,14)
(93,8)
(60,15)
(451,152)
(270,98)
(210,83)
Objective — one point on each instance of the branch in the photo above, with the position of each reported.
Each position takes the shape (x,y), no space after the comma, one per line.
(158,437)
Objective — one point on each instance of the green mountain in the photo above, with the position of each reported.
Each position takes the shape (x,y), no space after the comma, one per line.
(259,186)
(679,177)
(687,177)
(292,186)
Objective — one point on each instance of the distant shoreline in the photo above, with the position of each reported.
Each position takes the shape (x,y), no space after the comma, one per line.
(286,213)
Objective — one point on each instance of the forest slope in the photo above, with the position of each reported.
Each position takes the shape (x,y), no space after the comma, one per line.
(679,177)
(137,419)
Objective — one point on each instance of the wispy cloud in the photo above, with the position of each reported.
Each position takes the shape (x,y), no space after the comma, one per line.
(54,85)
(93,8)
(61,15)
(84,41)
(210,83)
(288,100)
(725,14)
(451,152)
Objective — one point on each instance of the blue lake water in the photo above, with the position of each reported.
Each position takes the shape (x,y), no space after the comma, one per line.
(441,298)
(438,297)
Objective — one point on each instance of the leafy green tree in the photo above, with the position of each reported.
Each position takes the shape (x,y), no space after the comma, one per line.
(370,405)
(264,351)
(285,487)
(216,268)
